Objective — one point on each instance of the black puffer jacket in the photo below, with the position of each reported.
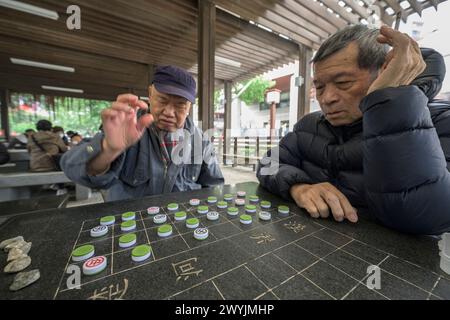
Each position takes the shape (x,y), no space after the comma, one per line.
(394,161)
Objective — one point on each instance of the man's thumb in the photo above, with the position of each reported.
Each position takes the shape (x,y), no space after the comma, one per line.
(145,121)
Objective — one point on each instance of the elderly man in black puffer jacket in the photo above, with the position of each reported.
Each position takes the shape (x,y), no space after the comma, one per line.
(380,141)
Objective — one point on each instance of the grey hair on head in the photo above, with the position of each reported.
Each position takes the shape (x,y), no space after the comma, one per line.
(372,54)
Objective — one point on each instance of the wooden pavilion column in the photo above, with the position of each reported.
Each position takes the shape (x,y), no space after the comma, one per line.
(4,99)
(206,50)
(305,56)
(227,119)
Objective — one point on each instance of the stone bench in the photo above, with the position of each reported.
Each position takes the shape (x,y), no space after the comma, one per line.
(15,186)
(8,168)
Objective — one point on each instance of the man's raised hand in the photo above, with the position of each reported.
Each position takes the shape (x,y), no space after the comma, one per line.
(403,63)
(121,127)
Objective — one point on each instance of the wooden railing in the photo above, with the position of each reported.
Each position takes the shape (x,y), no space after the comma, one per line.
(244,150)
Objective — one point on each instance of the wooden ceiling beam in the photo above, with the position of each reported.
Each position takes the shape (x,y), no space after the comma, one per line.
(347,16)
(417,7)
(267,19)
(322,12)
(291,16)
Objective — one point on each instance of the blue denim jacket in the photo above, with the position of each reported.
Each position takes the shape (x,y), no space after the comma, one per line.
(140,171)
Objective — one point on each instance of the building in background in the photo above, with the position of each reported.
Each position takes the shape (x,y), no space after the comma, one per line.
(432,30)
(254,119)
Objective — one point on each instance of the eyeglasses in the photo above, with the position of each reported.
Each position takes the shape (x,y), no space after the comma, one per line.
(180,107)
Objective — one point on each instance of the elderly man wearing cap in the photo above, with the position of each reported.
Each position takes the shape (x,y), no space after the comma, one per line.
(144,153)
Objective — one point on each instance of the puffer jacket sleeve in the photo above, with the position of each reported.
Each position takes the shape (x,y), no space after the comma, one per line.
(74,163)
(441,118)
(430,80)
(405,169)
(281,167)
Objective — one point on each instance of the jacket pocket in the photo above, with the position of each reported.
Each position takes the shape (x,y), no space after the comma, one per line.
(132,174)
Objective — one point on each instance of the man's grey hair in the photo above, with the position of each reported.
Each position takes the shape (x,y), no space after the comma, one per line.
(372,54)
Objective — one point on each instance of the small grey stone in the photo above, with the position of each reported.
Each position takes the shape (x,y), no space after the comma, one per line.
(18,265)
(24,279)
(15,254)
(4,243)
(26,247)
(15,244)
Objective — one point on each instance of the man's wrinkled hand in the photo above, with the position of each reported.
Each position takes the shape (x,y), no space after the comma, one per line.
(321,200)
(121,127)
(403,63)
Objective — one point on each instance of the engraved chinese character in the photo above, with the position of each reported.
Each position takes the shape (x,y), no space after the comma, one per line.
(113,292)
(263,238)
(185,269)
(294,226)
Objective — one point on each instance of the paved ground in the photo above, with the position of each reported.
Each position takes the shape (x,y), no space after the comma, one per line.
(238,174)
(95,198)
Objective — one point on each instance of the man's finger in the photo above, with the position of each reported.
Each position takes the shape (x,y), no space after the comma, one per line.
(127,98)
(311,208)
(141,104)
(123,107)
(132,100)
(322,207)
(349,211)
(385,40)
(416,47)
(394,37)
(333,202)
(109,113)
(389,57)
(145,121)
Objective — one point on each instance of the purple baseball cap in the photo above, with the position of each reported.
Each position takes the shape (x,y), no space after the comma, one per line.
(175,81)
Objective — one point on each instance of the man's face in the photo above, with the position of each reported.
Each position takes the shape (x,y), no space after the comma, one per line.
(341,85)
(170,112)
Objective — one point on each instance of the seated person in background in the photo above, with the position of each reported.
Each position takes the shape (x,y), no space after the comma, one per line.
(140,156)
(21,141)
(60,132)
(4,155)
(70,133)
(75,140)
(44,147)
(378,143)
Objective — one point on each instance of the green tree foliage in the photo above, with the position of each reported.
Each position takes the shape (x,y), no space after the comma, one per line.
(80,115)
(255,92)
(218,99)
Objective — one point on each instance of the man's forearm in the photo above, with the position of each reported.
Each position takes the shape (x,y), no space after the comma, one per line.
(101,164)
